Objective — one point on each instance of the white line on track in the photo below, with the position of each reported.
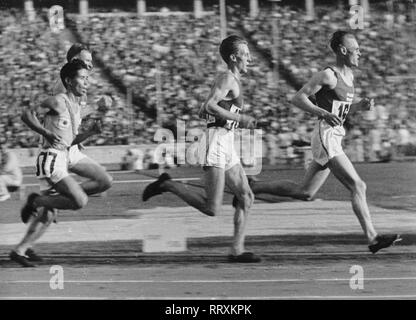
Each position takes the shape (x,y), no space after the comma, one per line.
(212,281)
(128,181)
(404,196)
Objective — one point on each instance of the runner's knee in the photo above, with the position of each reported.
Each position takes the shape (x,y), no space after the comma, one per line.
(246,199)
(80,201)
(47,217)
(106,182)
(359,186)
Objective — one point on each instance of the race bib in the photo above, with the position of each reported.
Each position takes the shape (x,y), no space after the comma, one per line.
(45,164)
(210,119)
(341,108)
(228,124)
(231,124)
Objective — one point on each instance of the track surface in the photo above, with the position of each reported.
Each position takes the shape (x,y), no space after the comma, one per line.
(307,248)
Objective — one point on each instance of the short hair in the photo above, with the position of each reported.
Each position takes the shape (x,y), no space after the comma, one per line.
(70,70)
(338,37)
(229,46)
(75,49)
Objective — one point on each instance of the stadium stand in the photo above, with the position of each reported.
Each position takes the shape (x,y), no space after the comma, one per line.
(165,63)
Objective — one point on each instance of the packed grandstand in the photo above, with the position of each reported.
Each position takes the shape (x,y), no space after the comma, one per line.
(158,68)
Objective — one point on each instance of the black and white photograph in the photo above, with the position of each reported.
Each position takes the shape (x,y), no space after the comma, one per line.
(207,154)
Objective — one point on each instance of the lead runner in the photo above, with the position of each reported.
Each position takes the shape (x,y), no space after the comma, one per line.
(333,88)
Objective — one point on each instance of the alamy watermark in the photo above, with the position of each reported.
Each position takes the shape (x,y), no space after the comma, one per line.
(357,17)
(357,280)
(56,18)
(57,279)
(199,146)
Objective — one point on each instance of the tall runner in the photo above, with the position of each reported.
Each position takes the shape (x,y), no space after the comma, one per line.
(333,88)
(217,153)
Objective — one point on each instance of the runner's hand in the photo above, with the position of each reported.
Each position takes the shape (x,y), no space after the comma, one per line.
(247,122)
(332,119)
(104,103)
(97,126)
(366,104)
(53,138)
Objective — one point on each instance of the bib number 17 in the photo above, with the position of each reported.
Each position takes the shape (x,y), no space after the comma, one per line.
(45,163)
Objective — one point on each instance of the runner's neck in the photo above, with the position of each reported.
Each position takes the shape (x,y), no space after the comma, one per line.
(71,97)
(236,74)
(346,73)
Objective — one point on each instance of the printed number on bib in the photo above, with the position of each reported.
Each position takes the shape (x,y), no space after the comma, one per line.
(341,108)
(45,163)
(210,119)
(231,124)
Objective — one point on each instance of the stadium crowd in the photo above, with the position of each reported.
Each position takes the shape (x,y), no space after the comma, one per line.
(386,70)
(31,56)
(169,61)
(182,53)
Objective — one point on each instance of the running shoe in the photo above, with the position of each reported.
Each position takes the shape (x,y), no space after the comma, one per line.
(22,260)
(384,241)
(246,257)
(154,188)
(32,256)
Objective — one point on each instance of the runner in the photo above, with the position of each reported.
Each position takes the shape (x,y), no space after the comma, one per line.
(217,153)
(59,155)
(334,91)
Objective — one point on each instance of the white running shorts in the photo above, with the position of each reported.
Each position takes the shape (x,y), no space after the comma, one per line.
(326,142)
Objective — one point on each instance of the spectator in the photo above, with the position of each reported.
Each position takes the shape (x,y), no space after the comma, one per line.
(10,173)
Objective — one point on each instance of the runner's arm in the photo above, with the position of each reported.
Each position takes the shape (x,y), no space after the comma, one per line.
(95,128)
(29,117)
(100,108)
(364,104)
(301,98)
(219,92)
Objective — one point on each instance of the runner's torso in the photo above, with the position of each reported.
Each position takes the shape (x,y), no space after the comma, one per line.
(64,124)
(234,105)
(337,100)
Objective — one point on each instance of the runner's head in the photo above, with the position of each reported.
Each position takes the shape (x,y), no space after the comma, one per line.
(74,76)
(345,46)
(235,53)
(81,52)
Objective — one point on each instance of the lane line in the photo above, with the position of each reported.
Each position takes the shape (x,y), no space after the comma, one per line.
(404,196)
